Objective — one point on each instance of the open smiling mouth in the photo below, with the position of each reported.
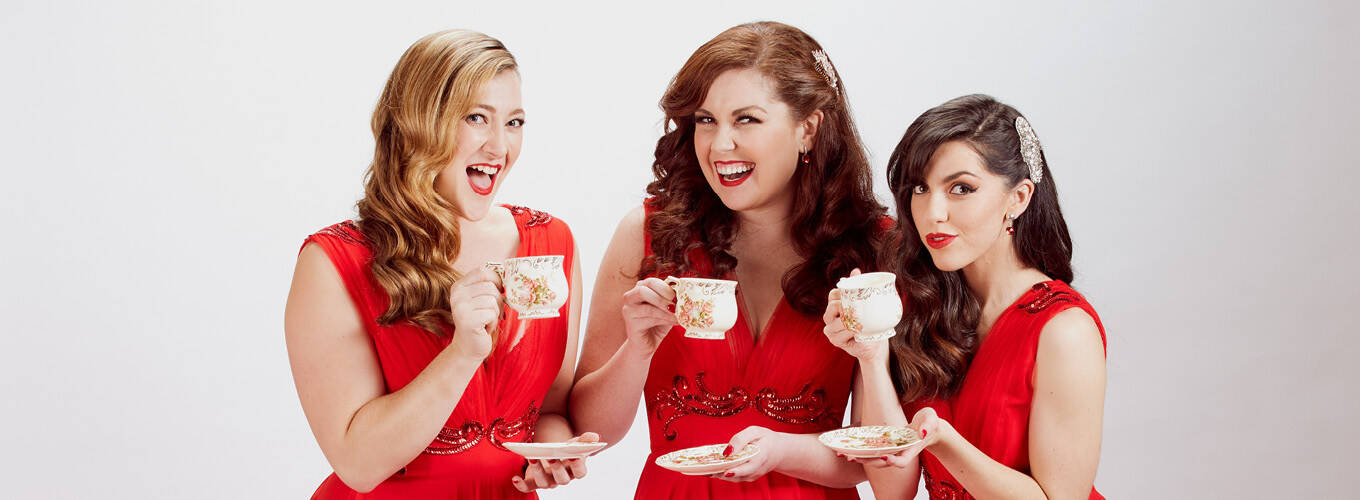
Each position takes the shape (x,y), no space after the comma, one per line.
(482,177)
(732,173)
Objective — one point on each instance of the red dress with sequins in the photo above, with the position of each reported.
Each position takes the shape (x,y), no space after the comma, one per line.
(501,403)
(992,407)
(701,392)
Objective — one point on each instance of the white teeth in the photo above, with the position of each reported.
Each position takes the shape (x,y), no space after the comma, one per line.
(485,169)
(733,169)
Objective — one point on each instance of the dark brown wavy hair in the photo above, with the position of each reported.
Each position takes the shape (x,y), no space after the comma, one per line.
(412,230)
(835,221)
(936,339)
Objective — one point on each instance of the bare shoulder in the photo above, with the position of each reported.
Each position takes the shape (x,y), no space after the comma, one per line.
(626,247)
(314,267)
(317,293)
(633,225)
(1071,332)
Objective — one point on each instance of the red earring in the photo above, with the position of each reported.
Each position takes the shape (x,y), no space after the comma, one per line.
(807,158)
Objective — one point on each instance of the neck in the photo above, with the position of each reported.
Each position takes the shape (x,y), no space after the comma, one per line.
(997,278)
(765,225)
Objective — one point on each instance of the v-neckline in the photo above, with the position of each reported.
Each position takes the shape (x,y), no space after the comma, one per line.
(522,250)
(755,338)
(1005,313)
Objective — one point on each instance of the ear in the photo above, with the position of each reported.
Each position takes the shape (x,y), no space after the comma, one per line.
(807,130)
(1021,196)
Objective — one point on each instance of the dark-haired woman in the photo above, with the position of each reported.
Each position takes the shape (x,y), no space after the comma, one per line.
(760,178)
(1000,360)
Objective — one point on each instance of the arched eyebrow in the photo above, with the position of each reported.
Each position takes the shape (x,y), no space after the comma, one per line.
(958,174)
(492,109)
(735,112)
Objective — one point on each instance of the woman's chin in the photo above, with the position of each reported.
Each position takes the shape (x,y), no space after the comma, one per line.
(476,209)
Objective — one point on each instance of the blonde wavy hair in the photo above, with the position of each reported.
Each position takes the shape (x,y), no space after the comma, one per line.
(412,230)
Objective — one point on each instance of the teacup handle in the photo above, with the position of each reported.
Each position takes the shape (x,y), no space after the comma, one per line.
(672,281)
(496,267)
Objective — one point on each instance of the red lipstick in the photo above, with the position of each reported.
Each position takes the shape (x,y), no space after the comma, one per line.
(481,182)
(724,180)
(939,240)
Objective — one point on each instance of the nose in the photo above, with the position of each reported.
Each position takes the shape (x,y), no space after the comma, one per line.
(496,144)
(725,140)
(933,208)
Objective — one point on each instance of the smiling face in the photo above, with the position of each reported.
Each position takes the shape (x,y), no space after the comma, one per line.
(961,209)
(747,142)
(488,141)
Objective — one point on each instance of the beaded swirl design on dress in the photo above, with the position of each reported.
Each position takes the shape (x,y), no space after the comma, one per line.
(464,437)
(805,407)
(1047,297)
(536,217)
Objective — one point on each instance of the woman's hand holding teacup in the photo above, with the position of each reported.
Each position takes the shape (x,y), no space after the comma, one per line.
(475,302)
(842,337)
(648,314)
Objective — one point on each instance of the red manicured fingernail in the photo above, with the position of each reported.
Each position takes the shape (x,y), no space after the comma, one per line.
(727,451)
(885,459)
(670,307)
(729,474)
(923,433)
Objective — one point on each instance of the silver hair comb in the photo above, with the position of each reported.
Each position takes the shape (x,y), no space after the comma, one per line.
(1030,149)
(828,71)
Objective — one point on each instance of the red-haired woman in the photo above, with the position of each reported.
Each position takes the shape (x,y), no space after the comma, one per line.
(1001,362)
(760,178)
(410,372)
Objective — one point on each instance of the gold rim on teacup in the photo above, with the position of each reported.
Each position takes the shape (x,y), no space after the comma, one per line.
(870,305)
(706,308)
(535,286)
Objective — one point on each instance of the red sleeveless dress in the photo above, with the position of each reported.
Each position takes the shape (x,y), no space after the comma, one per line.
(501,403)
(992,407)
(701,392)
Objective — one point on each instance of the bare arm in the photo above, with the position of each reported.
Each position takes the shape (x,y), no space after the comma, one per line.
(1065,421)
(876,398)
(894,476)
(367,435)
(627,321)
(553,425)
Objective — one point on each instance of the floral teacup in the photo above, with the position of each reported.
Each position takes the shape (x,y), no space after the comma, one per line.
(706,308)
(870,306)
(535,286)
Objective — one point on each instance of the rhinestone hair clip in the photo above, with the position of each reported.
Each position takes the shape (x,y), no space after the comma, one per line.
(828,71)
(1030,149)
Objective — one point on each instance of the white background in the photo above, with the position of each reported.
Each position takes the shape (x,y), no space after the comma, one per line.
(163,162)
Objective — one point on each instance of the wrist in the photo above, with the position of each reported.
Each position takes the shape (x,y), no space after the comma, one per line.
(633,351)
(874,364)
(462,358)
(778,440)
(948,438)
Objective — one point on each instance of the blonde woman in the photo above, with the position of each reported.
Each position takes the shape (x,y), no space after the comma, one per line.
(411,372)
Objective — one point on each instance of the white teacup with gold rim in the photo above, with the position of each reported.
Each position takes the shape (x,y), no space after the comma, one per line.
(870,306)
(535,286)
(706,308)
